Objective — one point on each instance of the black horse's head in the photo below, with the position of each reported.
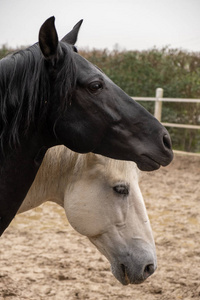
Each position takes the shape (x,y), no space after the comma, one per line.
(92,113)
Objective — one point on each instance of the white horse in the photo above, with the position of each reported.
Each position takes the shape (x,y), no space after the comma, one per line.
(102,201)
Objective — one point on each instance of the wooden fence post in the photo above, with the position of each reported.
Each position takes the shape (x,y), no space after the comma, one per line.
(158,104)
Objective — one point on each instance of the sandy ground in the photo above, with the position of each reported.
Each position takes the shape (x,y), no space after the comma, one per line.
(42,257)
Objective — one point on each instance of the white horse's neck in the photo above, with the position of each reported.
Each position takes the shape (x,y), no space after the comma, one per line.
(54,176)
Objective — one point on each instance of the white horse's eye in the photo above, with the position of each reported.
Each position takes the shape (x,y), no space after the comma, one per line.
(121,189)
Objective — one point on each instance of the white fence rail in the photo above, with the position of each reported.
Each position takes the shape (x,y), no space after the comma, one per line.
(158,99)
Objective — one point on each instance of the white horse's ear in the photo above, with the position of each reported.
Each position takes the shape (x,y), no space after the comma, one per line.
(48,39)
(71,37)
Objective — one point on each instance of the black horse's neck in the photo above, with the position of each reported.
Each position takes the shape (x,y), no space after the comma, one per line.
(18,170)
(24,136)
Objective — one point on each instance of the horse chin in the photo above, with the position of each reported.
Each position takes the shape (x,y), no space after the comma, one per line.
(147,164)
(120,276)
(121,273)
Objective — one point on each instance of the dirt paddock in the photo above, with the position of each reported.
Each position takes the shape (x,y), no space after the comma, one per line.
(42,257)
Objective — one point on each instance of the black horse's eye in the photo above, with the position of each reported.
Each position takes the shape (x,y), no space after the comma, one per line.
(95,86)
(121,189)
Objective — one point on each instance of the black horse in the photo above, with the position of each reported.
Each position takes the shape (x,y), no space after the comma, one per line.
(50,95)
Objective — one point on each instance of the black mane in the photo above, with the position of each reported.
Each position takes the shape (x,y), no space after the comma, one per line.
(26,84)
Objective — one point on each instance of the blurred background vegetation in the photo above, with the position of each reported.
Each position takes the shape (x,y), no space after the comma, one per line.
(139,73)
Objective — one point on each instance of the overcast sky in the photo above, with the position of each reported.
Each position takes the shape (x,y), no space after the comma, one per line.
(131,24)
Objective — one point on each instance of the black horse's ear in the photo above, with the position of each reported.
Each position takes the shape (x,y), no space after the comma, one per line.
(71,37)
(48,39)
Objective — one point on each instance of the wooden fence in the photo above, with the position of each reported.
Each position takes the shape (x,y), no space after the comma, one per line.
(158,99)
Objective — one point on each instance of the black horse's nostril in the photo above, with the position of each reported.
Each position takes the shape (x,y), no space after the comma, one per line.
(167,141)
(148,270)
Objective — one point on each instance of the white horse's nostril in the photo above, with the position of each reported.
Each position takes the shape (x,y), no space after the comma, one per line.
(123,267)
(148,270)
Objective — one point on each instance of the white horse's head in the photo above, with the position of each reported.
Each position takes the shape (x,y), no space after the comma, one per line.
(105,203)
(102,201)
